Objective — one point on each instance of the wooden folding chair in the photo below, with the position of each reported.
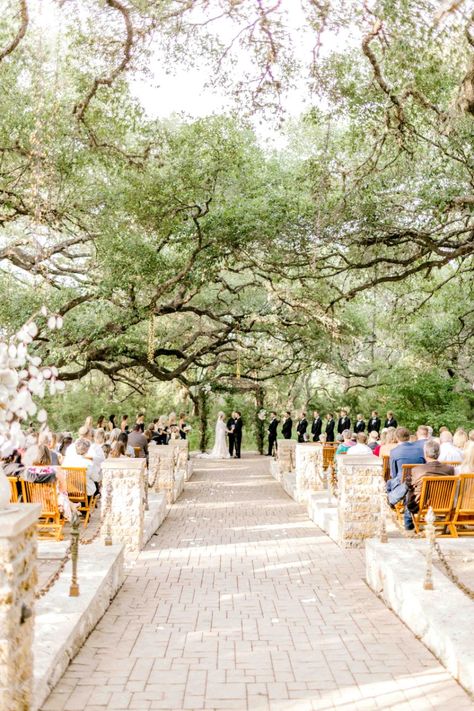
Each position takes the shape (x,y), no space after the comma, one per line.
(137,451)
(386,466)
(464,512)
(329,452)
(76,481)
(406,471)
(13,489)
(50,521)
(437,492)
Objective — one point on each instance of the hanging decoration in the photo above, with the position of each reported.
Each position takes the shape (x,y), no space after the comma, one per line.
(151,338)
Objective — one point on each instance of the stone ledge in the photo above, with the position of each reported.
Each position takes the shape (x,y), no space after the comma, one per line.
(156,514)
(178,485)
(324,514)
(15,518)
(288,482)
(441,618)
(63,623)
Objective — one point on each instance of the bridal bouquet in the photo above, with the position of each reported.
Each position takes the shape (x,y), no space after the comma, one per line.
(262,414)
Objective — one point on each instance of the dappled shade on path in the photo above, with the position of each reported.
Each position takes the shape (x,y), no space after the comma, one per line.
(240,602)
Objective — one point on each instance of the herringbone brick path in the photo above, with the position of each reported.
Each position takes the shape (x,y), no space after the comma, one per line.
(240,602)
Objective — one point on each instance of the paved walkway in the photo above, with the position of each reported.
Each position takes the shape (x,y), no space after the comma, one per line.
(240,602)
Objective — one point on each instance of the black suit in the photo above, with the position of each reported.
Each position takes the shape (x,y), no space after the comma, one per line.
(238,424)
(286,428)
(330,430)
(359,426)
(374,424)
(316,428)
(272,435)
(230,425)
(301,428)
(390,423)
(343,423)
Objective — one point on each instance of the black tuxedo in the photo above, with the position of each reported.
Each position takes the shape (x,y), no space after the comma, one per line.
(390,423)
(316,428)
(238,424)
(301,428)
(343,423)
(231,435)
(330,430)
(359,426)
(272,435)
(374,424)
(286,428)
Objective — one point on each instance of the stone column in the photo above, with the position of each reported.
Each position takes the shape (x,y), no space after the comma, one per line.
(161,464)
(17,599)
(307,479)
(285,456)
(359,481)
(122,501)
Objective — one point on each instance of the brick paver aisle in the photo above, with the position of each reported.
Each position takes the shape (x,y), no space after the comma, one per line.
(240,602)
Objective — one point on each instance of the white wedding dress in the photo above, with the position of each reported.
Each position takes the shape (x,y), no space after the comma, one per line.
(220,449)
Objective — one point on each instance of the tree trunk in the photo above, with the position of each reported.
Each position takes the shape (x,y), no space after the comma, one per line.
(203,404)
(259,424)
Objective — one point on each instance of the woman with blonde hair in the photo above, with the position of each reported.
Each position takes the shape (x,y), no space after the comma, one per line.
(389,444)
(460,438)
(467,464)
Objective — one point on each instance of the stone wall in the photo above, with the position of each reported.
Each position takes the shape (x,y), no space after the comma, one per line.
(360,486)
(122,502)
(161,466)
(17,598)
(285,456)
(308,469)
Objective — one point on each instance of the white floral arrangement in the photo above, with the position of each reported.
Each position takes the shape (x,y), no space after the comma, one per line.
(187,428)
(21,377)
(262,415)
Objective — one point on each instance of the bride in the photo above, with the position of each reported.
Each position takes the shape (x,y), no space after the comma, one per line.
(220,450)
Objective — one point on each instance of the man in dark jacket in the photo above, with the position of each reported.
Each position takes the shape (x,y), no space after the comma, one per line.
(238,424)
(375,422)
(317,426)
(230,433)
(301,427)
(343,423)
(360,424)
(272,433)
(390,421)
(330,425)
(287,425)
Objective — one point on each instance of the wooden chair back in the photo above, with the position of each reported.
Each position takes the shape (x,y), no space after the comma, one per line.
(46,494)
(406,470)
(137,451)
(13,489)
(76,481)
(464,513)
(386,466)
(437,492)
(329,452)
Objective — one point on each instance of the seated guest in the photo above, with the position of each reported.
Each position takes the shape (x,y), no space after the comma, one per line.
(405,452)
(390,421)
(12,465)
(471,435)
(346,443)
(361,446)
(360,424)
(414,481)
(77,457)
(96,453)
(136,438)
(117,451)
(448,452)
(460,438)
(323,438)
(123,437)
(373,440)
(64,442)
(381,441)
(389,443)
(467,464)
(42,472)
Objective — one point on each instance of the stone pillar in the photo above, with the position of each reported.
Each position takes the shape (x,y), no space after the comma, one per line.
(17,599)
(122,502)
(359,480)
(308,476)
(285,456)
(161,464)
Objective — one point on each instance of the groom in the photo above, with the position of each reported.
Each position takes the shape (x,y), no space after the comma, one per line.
(230,433)
(238,424)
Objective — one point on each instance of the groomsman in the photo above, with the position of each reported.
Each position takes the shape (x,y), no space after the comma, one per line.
(230,433)
(375,422)
(360,424)
(238,424)
(317,426)
(390,421)
(301,427)
(330,424)
(343,423)
(272,433)
(287,425)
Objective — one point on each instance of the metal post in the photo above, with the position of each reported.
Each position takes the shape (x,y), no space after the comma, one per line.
(430,533)
(74,587)
(383,503)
